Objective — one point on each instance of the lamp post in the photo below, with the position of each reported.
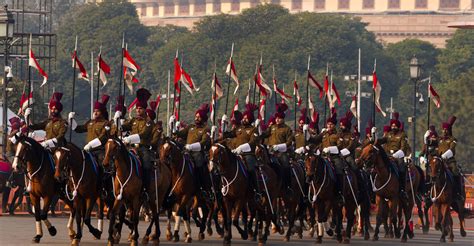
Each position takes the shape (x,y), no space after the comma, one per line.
(6,32)
(415,76)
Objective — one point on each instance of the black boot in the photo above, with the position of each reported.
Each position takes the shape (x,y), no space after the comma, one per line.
(287,178)
(402,183)
(339,183)
(254,186)
(458,187)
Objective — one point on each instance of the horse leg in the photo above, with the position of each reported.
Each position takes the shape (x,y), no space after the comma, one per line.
(444,222)
(338,224)
(205,215)
(350,210)
(218,226)
(177,221)
(70,223)
(39,230)
(78,204)
(89,205)
(393,208)
(244,220)
(378,220)
(407,212)
(226,216)
(461,217)
(112,213)
(168,225)
(44,216)
(152,207)
(100,215)
(135,218)
(426,209)
(291,220)
(187,227)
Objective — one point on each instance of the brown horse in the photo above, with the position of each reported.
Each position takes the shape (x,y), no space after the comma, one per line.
(77,169)
(321,191)
(127,188)
(384,184)
(157,190)
(442,196)
(39,166)
(183,188)
(234,188)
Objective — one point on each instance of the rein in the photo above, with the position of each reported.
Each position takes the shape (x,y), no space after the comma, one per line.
(433,188)
(315,196)
(74,192)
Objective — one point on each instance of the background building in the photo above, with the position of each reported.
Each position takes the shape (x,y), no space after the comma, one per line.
(390,20)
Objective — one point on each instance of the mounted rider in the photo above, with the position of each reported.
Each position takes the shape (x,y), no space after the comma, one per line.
(55,126)
(244,137)
(198,140)
(157,133)
(430,145)
(348,142)
(396,144)
(96,128)
(447,150)
(280,137)
(141,129)
(301,135)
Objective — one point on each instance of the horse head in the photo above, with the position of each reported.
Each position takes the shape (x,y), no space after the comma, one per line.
(62,157)
(437,168)
(216,154)
(262,154)
(368,155)
(310,166)
(168,150)
(113,147)
(26,151)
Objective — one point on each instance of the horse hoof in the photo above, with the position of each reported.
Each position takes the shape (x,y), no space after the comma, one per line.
(116,239)
(300,235)
(185,234)
(438,227)
(201,236)
(188,240)
(52,231)
(463,233)
(110,243)
(261,243)
(366,236)
(404,240)
(397,234)
(442,240)
(168,236)
(274,230)
(226,242)
(411,234)
(346,241)
(134,243)
(36,239)
(96,233)
(72,235)
(209,231)
(130,237)
(75,242)
(286,239)
(176,238)
(339,238)
(451,240)
(330,232)
(311,233)
(319,240)
(156,242)
(375,238)
(145,239)
(244,235)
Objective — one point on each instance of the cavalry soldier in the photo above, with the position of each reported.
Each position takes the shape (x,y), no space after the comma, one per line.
(120,112)
(141,133)
(157,132)
(447,150)
(301,135)
(198,140)
(430,145)
(245,138)
(347,140)
(55,126)
(396,144)
(96,128)
(280,138)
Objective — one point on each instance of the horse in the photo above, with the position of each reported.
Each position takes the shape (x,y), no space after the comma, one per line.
(442,192)
(322,183)
(40,170)
(157,190)
(183,188)
(79,171)
(234,188)
(384,184)
(127,188)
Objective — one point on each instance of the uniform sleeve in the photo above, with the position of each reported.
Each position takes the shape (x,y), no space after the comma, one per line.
(127,125)
(254,138)
(382,140)
(206,139)
(404,144)
(82,128)
(340,141)
(266,133)
(103,133)
(452,146)
(62,131)
(289,137)
(146,131)
(183,133)
(38,126)
(352,144)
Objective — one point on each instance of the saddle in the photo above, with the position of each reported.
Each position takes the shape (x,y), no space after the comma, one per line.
(330,168)
(136,161)
(95,166)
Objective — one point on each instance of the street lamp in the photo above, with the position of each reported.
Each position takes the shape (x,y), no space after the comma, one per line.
(6,32)
(415,71)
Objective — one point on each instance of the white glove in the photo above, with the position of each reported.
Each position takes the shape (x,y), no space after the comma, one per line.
(326,150)
(324,130)
(422,160)
(318,152)
(300,150)
(193,147)
(345,152)
(50,143)
(279,147)
(243,148)
(425,137)
(448,154)
(224,118)
(132,139)
(71,116)
(373,130)
(399,154)
(27,112)
(177,125)
(92,144)
(333,150)
(257,122)
(13,139)
(407,159)
(117,115)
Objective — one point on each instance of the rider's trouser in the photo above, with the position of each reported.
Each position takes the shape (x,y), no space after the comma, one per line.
(285,172)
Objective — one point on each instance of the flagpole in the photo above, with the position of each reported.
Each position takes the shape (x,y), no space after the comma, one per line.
(255,83)
(180,83)
(307,87)
(214,99)
(373,110)
(295,99)
(98,74)
(168,104)
(274,84)
(358,92)
(29,82)
(92,84)
(429,104)
(73,87)
(122,80)
(228,81)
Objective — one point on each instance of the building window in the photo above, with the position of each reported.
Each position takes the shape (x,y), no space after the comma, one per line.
(143,10)
(321,4)
(393,4)
(368,4)
(449,4)
(254,3)
(343,4)
(235,5)
(156,9)
(169,8)
(296,4)
(199,7)
(421,4)
(216,6)
(183,8)
(278,2)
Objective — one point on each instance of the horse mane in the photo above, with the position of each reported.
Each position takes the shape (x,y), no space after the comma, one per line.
(383,154)
(36,147)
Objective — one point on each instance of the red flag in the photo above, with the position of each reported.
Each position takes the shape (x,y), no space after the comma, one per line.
(314,83)
(230,70)
(103,68)
(24,101)
(377,90)
(261,110)
(279,91)
(218,90)
(326,85)
(188,82)
(177,75)
(296,93)
(334,96)
(262,85)
(176,106)
(32,62)
(83,72)
(129,78)
(434,96)
(235,108)
(353,107)
(129,62)
(158,101)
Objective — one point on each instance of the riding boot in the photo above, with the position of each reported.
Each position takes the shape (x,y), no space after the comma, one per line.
(458,187)
(339,182)
(254,186)
(5,196)
(402,182)
(287,178)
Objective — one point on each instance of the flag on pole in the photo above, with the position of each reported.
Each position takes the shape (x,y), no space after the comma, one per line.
(261,110)
(265,90)
(177,74)
(188,82)
(82,71)
(296,93)
(129,62)
(32,62)
(158,101)
(247,98)
(230,70)
(314,83)
(326,85)
(353,107)
(280,92)
(377,90)
(24,100)
(130,78)
(434,95)
(104,69)
(218,90)
(211,109)
(176,106)
(333,95)
(235,108)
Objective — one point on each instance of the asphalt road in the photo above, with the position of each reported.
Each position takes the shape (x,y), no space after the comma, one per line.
(19,230)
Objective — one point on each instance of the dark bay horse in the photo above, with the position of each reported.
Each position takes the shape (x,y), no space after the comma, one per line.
(79,171)
(183,188)
(234,188)
(442,192)
(127,188)
(40,170)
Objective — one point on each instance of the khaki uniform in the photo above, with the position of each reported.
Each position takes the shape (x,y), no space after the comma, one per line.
(55,128)
(394,142)
(445,144)
(193,134)
(328,139)
(95,129)
(156,137)
(349,142)
(241,135)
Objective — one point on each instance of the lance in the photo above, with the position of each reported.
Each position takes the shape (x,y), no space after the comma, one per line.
(121,81)
(307,87)
(429,104)
(274,84)
(174,91)
(92,84)
(374,102)
(326,94)
(214,95)
(29,81)
(228,80)
(168,104)
(255,82)
(295,99)
(180,83)
(98,74)
(73,87)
